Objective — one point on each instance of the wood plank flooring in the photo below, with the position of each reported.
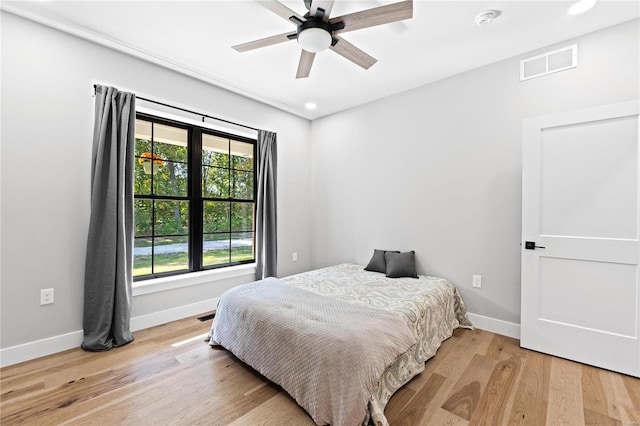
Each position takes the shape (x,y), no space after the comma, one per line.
(168,375)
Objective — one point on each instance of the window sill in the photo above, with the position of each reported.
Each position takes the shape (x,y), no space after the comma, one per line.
(177,281)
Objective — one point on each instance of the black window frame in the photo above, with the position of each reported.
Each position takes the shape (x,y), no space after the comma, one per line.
(195,196)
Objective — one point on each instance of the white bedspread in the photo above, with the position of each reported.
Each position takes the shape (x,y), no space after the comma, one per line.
(340,340)
(328,354)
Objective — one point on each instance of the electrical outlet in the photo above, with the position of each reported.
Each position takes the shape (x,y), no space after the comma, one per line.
(46,296)
(294,256)
(477,281)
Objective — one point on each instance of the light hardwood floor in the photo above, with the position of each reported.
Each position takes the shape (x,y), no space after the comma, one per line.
(161,378)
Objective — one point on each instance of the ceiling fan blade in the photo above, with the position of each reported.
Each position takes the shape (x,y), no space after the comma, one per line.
(263,42)
(352,53)
(377,16)
(325,5)
(280,9)
(397,27)
(304,66)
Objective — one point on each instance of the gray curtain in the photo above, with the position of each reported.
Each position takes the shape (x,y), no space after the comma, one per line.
(108,267)
(266,212)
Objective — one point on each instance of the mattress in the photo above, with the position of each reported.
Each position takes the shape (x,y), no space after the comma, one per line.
(340,340)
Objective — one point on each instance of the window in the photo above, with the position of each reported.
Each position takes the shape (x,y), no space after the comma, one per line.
(194,198)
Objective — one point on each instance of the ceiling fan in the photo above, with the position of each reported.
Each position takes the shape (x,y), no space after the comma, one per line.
(316,31)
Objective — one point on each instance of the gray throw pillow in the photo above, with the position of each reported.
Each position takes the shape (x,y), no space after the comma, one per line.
(378,262)
(401,264)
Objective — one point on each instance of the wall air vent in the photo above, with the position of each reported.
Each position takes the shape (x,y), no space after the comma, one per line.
(548,63)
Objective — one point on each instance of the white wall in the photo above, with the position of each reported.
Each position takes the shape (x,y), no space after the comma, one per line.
(438,169)
(47,121)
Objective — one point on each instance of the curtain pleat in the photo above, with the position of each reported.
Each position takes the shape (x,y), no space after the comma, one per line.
(266,211)
(109,262)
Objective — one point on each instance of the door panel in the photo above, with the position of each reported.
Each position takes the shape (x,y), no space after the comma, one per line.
(589,185)
(580,291)
(610,285)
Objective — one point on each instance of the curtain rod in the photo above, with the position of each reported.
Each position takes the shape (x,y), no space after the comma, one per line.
(190,111)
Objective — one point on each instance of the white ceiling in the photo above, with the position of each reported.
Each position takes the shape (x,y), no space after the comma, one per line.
(442,39)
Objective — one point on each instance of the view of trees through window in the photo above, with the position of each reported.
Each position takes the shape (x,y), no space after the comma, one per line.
(188,218)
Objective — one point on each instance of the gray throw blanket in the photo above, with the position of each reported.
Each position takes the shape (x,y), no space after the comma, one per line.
(328,354)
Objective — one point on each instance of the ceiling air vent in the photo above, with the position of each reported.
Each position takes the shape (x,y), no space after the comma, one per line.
(550,62)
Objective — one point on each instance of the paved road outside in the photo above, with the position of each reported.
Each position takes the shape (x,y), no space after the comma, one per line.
(181,248)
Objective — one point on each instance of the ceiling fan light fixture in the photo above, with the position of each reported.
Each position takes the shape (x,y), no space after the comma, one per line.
(315,35)
(314,39)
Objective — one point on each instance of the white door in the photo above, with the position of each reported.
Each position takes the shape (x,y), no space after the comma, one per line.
(580,207)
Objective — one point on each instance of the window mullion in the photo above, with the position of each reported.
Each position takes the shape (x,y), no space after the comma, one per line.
(231,192)
(153,208)
(196,205)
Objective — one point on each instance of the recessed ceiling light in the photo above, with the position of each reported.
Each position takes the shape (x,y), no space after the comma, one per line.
(581,7)
(486,17)
(310,105)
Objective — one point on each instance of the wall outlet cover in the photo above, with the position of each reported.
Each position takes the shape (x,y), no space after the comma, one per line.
(46,296)
(477,281)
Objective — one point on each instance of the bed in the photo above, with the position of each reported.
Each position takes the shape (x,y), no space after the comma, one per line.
(340,340)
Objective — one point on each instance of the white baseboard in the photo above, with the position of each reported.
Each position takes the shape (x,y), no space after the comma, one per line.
(162,317)
(51,345)
(493,325)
